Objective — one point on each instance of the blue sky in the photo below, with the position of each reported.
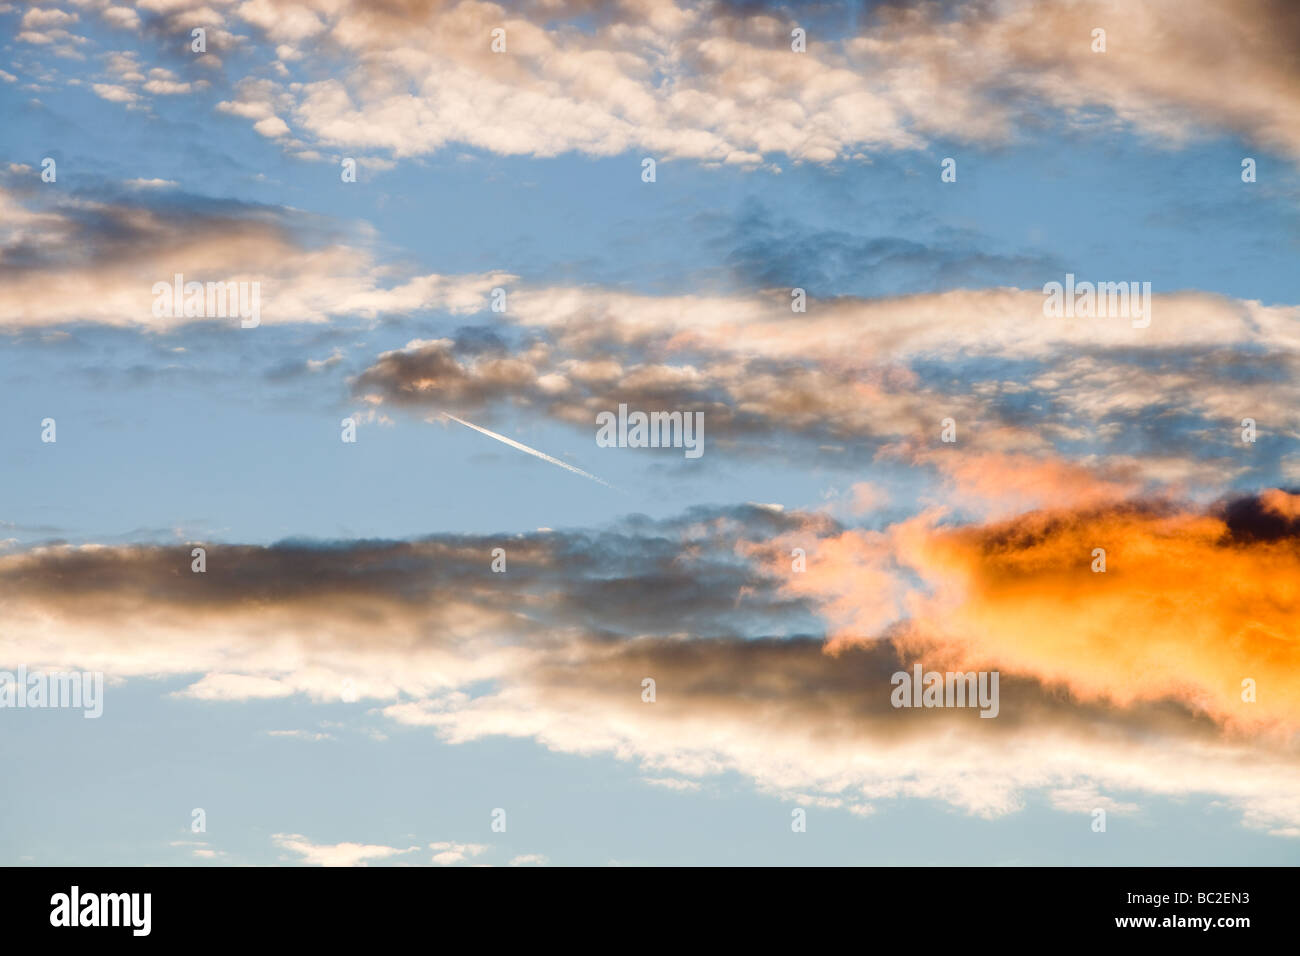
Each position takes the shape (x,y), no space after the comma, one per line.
(480,691)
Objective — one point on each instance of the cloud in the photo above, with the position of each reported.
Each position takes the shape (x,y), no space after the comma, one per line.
(1125,684)
(37,18)
(271,127)
(767,249)
(1002,483)
(199,849)
(235,687)
(867,497)
(990,59)
(114,93)
(449,854)
(335,854)
(1163,404)
(720,83)
(124,18)
(300,734)
(1087,800)
(1190,604)
(65,260)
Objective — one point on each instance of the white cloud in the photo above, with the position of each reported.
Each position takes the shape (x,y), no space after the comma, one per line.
(114,93)
(336,854)
(448,854)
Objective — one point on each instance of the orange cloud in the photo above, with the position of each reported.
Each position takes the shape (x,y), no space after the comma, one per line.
(1281,503)
(1006,483)
(1188,607)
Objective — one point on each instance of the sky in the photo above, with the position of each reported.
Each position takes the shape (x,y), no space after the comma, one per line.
(363,581)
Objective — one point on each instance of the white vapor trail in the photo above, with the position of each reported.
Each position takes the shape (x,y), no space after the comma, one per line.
(532,451)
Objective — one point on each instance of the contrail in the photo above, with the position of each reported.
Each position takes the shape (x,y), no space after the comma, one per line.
(532,451)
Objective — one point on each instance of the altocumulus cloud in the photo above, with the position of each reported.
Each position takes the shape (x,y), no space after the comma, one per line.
(717,82)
